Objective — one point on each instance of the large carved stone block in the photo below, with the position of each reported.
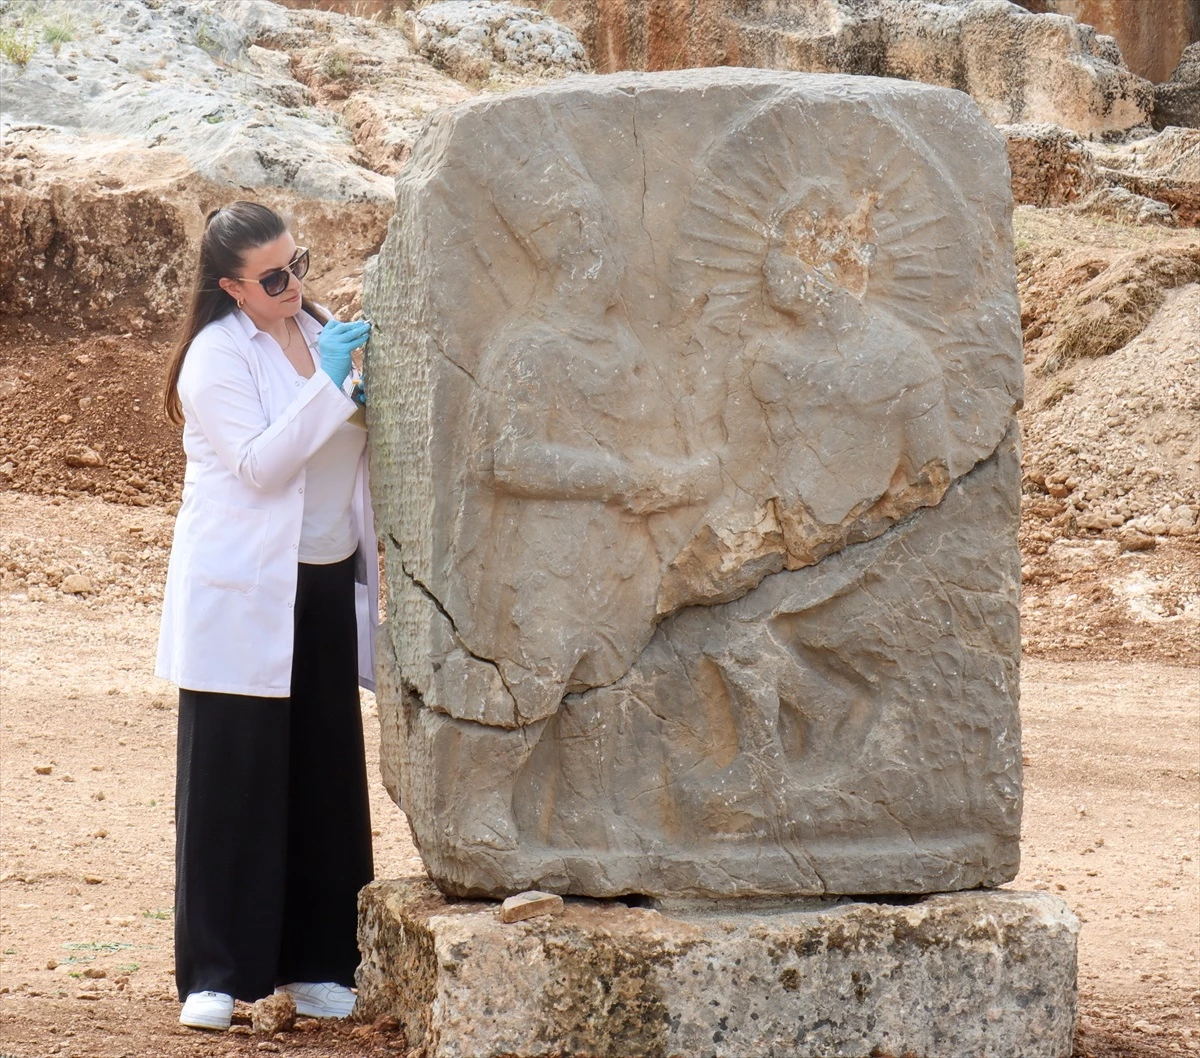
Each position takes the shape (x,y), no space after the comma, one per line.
(693,453)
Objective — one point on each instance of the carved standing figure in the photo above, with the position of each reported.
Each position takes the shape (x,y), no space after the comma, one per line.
(580,474)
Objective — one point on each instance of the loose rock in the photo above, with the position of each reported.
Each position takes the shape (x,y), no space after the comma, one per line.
(530,905)
(274,1013)
(83,456)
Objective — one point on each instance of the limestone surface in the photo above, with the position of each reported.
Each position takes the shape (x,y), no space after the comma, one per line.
(691,418)
(989,975)
(1050,166)
(1151,36)
(177,78)
(1018,66)
(1177,102)
(1053,167)
(467,36)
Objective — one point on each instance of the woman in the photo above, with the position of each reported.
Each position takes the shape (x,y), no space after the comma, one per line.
(267,628)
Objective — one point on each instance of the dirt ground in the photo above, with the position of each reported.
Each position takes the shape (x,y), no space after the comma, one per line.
(87,773)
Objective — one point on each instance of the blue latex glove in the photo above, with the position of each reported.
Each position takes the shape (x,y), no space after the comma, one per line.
(335,344)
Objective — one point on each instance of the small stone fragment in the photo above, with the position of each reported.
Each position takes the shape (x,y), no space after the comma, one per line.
(76,584)
(83,456)
(92,879)
(1093,520)
(43,769)
(1132,540)
(275,1013)
(530,905)
(95,972)
(51,964)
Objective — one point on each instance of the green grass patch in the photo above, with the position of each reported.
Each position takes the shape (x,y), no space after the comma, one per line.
(16,49)
(96,945)
(58,33)
(335,66)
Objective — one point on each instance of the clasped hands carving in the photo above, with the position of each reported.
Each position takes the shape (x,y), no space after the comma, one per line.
(644,484)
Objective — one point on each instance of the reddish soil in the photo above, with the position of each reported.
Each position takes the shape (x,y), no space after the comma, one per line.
(1110,702)
(87,774)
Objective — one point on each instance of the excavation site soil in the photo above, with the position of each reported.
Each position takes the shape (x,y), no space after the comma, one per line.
(90,477)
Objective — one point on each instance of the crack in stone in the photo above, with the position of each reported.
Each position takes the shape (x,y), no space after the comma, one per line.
(645,181)
(424,590)
(900,526)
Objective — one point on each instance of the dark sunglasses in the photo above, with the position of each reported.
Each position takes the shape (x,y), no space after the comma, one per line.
(275,283)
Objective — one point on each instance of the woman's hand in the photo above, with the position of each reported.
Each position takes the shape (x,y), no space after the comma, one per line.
(335,344)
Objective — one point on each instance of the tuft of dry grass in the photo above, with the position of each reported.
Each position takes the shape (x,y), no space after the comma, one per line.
(335,66)
(16,49)
(1113,302)
(1055,390)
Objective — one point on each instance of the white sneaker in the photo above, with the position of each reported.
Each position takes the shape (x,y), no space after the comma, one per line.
(325,1000)
(207,1010)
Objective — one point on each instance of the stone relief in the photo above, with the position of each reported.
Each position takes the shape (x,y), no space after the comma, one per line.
(692,404)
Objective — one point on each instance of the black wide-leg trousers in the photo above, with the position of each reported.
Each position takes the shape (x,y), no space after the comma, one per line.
(273,826)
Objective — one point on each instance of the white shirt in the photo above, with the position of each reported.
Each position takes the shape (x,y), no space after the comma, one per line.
(252,426)
(327,532)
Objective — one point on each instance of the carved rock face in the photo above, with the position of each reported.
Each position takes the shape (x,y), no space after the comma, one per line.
(693,453)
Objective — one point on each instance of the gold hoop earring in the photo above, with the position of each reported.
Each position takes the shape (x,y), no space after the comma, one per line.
(241,302)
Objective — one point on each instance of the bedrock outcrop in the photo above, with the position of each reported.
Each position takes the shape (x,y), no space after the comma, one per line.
(1177,102)
(1018,66)
(693,455)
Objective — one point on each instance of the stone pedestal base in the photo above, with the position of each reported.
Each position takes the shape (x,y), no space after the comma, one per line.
(984,973)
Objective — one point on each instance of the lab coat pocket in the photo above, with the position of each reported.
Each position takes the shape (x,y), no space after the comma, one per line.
(228,545)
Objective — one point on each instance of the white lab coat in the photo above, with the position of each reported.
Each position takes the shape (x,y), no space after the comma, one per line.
(252,423)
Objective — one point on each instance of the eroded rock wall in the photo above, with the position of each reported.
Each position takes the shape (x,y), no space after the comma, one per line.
(692,405)
(1019,67)
(1151,35)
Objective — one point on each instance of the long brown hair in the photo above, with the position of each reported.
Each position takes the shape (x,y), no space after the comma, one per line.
(229,233)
